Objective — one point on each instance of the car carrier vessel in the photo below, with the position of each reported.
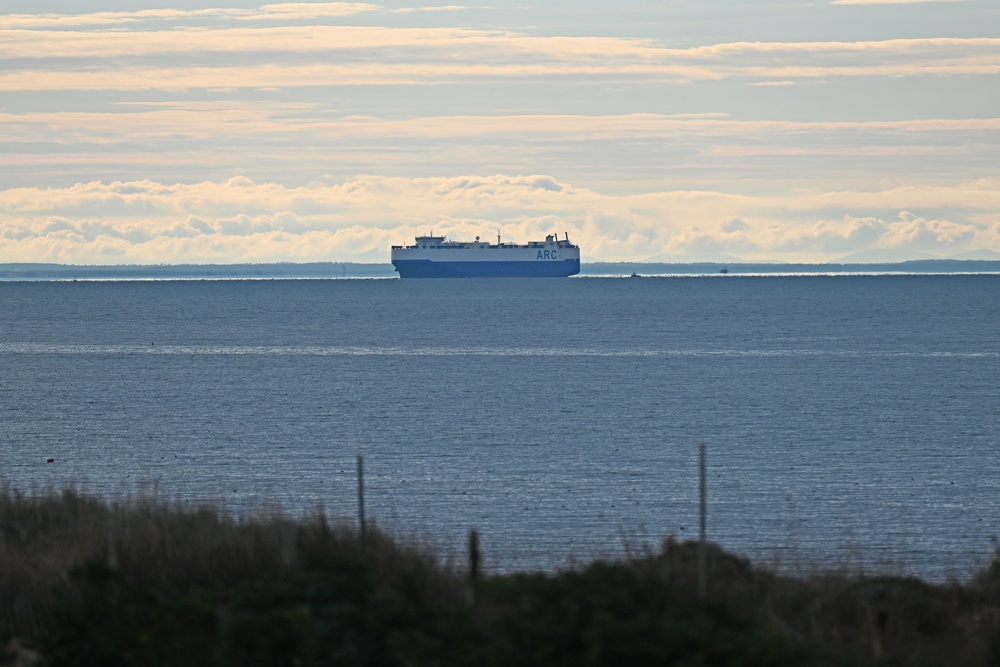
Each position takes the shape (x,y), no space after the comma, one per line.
(435,257)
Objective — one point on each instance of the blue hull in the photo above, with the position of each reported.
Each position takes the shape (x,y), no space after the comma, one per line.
(409,268)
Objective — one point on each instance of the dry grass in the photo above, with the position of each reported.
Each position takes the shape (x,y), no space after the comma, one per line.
(165,546)
(892,619)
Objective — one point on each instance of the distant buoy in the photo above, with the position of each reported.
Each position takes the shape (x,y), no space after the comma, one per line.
(50,460)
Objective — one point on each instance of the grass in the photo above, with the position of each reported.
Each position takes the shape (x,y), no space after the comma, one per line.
(88,582)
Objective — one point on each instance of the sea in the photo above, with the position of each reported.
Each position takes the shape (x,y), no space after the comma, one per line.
(849,422)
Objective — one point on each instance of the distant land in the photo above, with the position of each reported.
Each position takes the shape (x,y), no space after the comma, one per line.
(703,268)
(306,270)
(195,271)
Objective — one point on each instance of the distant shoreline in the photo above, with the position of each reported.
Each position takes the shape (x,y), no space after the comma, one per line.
(39,271)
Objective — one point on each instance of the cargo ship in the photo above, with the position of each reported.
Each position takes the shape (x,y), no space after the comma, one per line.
(435,257)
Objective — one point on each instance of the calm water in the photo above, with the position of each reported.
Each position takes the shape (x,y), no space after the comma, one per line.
(850,420)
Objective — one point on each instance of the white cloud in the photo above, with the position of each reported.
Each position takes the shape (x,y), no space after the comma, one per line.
(812,167)
(298,11)
(440,8)
(311,10)
(827,240)
(241,121)
(365,55)
(274,12)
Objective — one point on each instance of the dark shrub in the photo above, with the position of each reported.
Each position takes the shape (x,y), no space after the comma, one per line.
(609,615)
(108,622)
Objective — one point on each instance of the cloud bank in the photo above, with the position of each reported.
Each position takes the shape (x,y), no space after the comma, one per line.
(243,221)
(332,130)
(377,55)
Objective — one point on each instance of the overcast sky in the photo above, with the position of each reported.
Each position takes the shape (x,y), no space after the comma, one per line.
(687,130)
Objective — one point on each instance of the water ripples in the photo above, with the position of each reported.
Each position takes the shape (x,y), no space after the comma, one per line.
(368,351)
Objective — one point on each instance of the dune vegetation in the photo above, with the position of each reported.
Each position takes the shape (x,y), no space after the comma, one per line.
(85,581)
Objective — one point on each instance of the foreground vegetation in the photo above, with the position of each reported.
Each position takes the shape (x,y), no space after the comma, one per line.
(84,582)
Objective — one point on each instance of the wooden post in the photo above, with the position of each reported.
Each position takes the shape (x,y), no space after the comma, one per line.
(703,511)
(474,560)
(361,504)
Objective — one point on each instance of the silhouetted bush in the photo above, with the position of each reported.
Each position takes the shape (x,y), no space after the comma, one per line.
(84,582)
(105,621)
(608,614)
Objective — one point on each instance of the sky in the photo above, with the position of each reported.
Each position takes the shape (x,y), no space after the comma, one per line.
(227,131)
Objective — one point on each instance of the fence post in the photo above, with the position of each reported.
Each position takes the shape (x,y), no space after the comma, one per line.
(361,504)
(474,559)
(703,511)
